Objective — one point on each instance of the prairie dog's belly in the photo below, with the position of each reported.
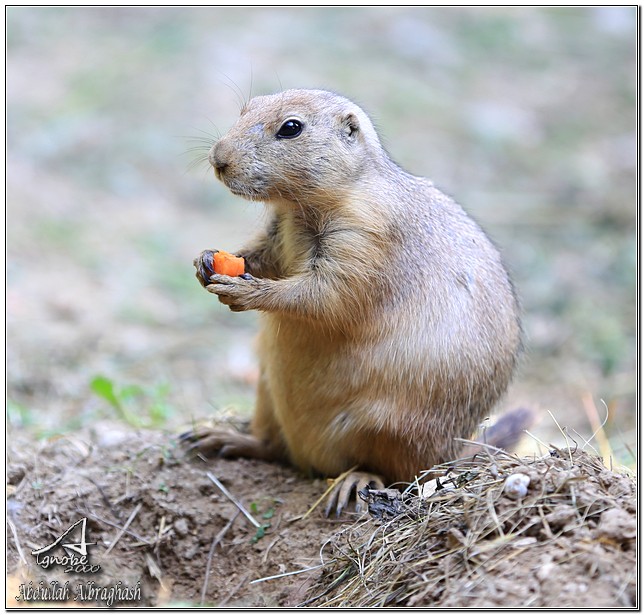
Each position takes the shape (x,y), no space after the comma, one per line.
(318,400)
(367,398)
(328,392)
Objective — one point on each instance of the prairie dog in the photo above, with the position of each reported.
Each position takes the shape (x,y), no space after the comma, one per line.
(389,325)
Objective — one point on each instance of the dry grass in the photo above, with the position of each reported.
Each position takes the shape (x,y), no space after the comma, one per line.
(471,543)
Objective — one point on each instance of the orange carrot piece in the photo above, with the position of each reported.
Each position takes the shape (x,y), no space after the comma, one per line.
(225,263)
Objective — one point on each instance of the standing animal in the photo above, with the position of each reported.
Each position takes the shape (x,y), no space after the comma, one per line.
(389,326)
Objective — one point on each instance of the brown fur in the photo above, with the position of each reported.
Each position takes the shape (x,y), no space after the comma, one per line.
(389,326)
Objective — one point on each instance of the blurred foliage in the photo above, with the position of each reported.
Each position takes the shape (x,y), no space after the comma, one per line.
(137,406)
(525,115)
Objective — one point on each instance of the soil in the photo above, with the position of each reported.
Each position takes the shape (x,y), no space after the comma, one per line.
(158,520)
(179,512)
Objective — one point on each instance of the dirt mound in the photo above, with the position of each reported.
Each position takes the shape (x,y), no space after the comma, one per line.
(161,524)
(551,532)
(160,521)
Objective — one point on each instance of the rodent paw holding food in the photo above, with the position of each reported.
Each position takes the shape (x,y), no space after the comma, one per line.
(237,293)
(211,262)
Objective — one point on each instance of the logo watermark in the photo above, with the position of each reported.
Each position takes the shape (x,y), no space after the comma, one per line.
(75,562)
(74,558)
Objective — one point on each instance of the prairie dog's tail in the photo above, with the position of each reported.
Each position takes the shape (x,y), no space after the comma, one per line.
(506,433)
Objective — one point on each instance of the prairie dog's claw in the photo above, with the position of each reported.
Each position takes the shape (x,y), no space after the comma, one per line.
(340,497)
(203,264)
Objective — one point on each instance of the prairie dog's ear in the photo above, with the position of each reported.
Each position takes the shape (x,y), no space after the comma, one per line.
(350,126)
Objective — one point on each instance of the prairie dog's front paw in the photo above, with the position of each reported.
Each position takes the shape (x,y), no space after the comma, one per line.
(237,293)
(210,262)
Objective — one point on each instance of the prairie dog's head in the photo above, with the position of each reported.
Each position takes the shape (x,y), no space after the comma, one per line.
(297,145)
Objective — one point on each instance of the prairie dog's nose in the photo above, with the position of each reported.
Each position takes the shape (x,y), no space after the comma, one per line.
(219,156)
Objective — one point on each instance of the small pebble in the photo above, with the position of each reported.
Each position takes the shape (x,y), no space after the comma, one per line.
(516,486)
(543,572)
(181,527)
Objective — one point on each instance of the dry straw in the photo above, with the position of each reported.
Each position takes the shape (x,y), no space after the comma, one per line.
(476,533)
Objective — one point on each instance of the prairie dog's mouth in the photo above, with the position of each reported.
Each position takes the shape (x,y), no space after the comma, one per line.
(243,189)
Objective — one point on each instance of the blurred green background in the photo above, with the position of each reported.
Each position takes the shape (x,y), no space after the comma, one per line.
(527,116)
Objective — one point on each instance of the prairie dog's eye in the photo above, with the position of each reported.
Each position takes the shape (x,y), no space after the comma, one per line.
(289,129)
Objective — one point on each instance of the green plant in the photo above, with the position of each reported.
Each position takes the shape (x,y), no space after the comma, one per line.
(136,405)
(266,516)
(19,415)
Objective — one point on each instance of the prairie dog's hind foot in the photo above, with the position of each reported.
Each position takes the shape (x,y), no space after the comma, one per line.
(213,441)
(339,498)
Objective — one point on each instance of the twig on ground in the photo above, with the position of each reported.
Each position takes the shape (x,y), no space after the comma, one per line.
(598,427)
(94,516)
(17,541)
(289,574)
(133,514)
(273,543)
(106,500)
(234,500)
(234,591)
(563,433)
(160,533)
(216,540)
